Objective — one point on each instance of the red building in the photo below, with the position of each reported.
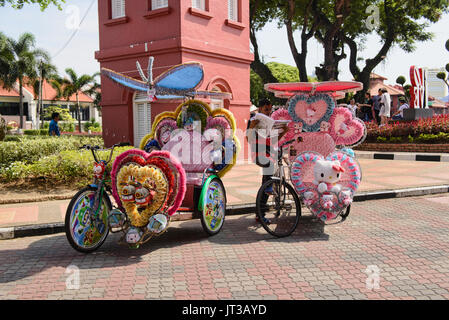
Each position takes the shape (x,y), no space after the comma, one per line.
(215,33)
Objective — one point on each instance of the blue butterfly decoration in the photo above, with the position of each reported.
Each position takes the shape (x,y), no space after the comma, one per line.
(176,83)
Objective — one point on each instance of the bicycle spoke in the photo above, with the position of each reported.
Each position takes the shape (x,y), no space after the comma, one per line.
(279,215)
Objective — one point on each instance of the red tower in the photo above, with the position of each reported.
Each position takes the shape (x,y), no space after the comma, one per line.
(215,33)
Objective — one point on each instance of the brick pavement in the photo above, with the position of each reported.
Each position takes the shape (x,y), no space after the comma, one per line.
(406,239)
(243,182)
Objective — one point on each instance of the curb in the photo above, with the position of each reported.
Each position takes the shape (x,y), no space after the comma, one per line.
(51,228)
(38,199)
(407,156)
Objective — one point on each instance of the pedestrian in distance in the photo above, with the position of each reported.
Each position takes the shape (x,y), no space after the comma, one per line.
(367,108)
(385,107)
(53,129)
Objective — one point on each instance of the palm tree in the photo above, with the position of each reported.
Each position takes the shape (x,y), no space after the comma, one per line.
(18,62)
(47,72)
(73,86)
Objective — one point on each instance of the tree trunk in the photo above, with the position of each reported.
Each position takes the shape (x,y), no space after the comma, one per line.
(300,58)
(21,103)
(78,112)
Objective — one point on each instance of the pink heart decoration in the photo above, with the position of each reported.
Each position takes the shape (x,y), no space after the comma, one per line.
(319,142)
(344,129)
(311,113)
(311,110)
(329,204)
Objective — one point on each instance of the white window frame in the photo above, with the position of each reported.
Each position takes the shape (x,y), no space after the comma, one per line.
(233,10)
(159,4)
(117,9)
(141,98)
(199,4)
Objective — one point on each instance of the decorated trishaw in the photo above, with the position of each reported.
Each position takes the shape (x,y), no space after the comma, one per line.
(315,164)
(178,167)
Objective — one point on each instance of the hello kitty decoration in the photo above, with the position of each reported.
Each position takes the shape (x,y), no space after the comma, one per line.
(326,179)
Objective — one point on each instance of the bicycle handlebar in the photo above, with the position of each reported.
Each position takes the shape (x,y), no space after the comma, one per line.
(97,148)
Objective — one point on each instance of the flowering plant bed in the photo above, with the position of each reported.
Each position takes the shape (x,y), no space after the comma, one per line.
(431,130)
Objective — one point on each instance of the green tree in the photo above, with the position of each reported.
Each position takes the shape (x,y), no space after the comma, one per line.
(74,85)
(281,72)
(442,75)
(400,23)
(260,12)
(45,71)
(18,63)
(43,4)
(64,114)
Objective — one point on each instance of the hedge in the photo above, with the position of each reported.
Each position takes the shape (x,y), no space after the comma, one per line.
(32,148)
(70,167)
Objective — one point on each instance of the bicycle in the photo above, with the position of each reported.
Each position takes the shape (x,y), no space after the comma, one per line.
(86,219)
(279,215)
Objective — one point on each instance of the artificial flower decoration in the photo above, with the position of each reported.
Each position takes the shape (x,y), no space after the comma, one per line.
(194,142)
(147,183)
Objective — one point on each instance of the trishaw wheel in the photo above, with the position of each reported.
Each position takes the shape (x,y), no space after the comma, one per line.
(278,208)
(213,206)
(83,234)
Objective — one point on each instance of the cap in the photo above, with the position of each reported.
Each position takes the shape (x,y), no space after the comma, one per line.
(253,108)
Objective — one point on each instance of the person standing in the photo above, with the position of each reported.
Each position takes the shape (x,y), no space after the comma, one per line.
(376,106)
(385,102)
(353,108)
(53,129)
(367,109)
(262,149)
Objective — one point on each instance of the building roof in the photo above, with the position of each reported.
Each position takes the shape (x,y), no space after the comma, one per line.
(8,93)
(391,90)
(48,93)
(376,76)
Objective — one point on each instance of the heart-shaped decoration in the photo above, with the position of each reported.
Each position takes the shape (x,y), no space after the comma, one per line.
(344,129)
(319,142)
(311,110)
(338,195)
(146,183)
(183,118)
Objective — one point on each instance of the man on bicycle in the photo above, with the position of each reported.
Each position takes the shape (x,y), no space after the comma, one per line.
(263,148)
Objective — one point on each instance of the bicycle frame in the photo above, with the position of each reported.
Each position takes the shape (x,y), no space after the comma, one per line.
(101,183)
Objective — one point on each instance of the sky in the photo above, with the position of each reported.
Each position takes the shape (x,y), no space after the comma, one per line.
(53,28)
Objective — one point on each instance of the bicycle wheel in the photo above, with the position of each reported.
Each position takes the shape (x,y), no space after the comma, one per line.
(279,214)
(83,234)
(213,206)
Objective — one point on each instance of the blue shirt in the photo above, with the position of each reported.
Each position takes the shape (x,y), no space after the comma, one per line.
(53,127)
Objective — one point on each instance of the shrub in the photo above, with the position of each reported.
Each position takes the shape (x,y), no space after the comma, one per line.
(70,167)
(12,138)
(64,113)
(32,148)
(413,129)
(31,132)
(67,127)
(92,125)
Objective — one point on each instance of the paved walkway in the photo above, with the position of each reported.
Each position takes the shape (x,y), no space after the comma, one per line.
(405,239)
(243,182)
